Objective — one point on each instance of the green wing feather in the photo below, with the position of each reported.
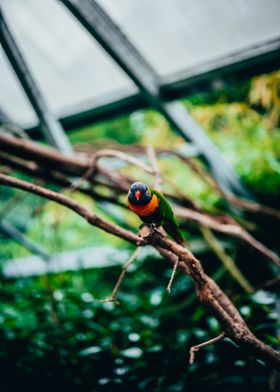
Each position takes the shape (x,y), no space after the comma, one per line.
(167,219)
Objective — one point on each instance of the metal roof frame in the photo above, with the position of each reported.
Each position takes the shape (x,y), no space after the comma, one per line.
(106,32)
(178,86)
(49,125)
(154,92)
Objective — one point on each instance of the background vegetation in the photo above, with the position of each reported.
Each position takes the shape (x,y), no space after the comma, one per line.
(54,332)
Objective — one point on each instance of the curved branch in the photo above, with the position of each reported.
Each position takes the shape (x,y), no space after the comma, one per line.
(243,204)
(197,347)
(93,219)
(208,292)
(226,228)
(61,166)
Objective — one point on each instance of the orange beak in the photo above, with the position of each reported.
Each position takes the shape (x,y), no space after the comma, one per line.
(137,195)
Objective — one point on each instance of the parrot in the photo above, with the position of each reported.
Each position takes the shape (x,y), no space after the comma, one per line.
(152,207)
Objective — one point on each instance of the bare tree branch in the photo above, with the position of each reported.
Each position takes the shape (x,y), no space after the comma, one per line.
(93,219)
(227,228)
(78,165)
(215,300)
(112,298)
(208,292)
(196,348)
(107,153)
(247,205)
(156,171)
(168,288)
(60,166)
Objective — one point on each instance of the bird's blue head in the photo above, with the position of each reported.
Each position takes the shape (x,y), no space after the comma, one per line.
(139,194)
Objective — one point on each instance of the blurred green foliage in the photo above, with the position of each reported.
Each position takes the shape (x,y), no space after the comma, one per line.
(55,334)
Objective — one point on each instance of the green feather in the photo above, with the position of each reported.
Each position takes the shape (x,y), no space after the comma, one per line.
(164,217)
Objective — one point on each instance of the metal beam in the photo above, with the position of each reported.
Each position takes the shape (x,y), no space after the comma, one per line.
(103,110)
(50,127)
(178,85)
(105,31)
(239,66)
(222,172)
(110,37)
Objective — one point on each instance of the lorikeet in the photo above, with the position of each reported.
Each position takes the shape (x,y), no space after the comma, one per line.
(152,207)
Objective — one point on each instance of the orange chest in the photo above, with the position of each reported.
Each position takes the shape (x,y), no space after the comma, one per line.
(146,210)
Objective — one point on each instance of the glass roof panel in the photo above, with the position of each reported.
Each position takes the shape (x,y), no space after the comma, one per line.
(180,34)
(74,72)
(71,69)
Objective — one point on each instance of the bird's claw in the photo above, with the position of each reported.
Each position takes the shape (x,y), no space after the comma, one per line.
(152,226)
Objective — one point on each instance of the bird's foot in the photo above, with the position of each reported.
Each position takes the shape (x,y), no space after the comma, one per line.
(151,226)
(149,230)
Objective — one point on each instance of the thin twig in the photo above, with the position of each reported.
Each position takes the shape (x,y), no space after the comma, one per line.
(168,288)
(89,173)
(182,198)
(269,283)
(92,166)
(124,157)
(156,170)
(112,298)
(196,348)
(244,204)
(228,228)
